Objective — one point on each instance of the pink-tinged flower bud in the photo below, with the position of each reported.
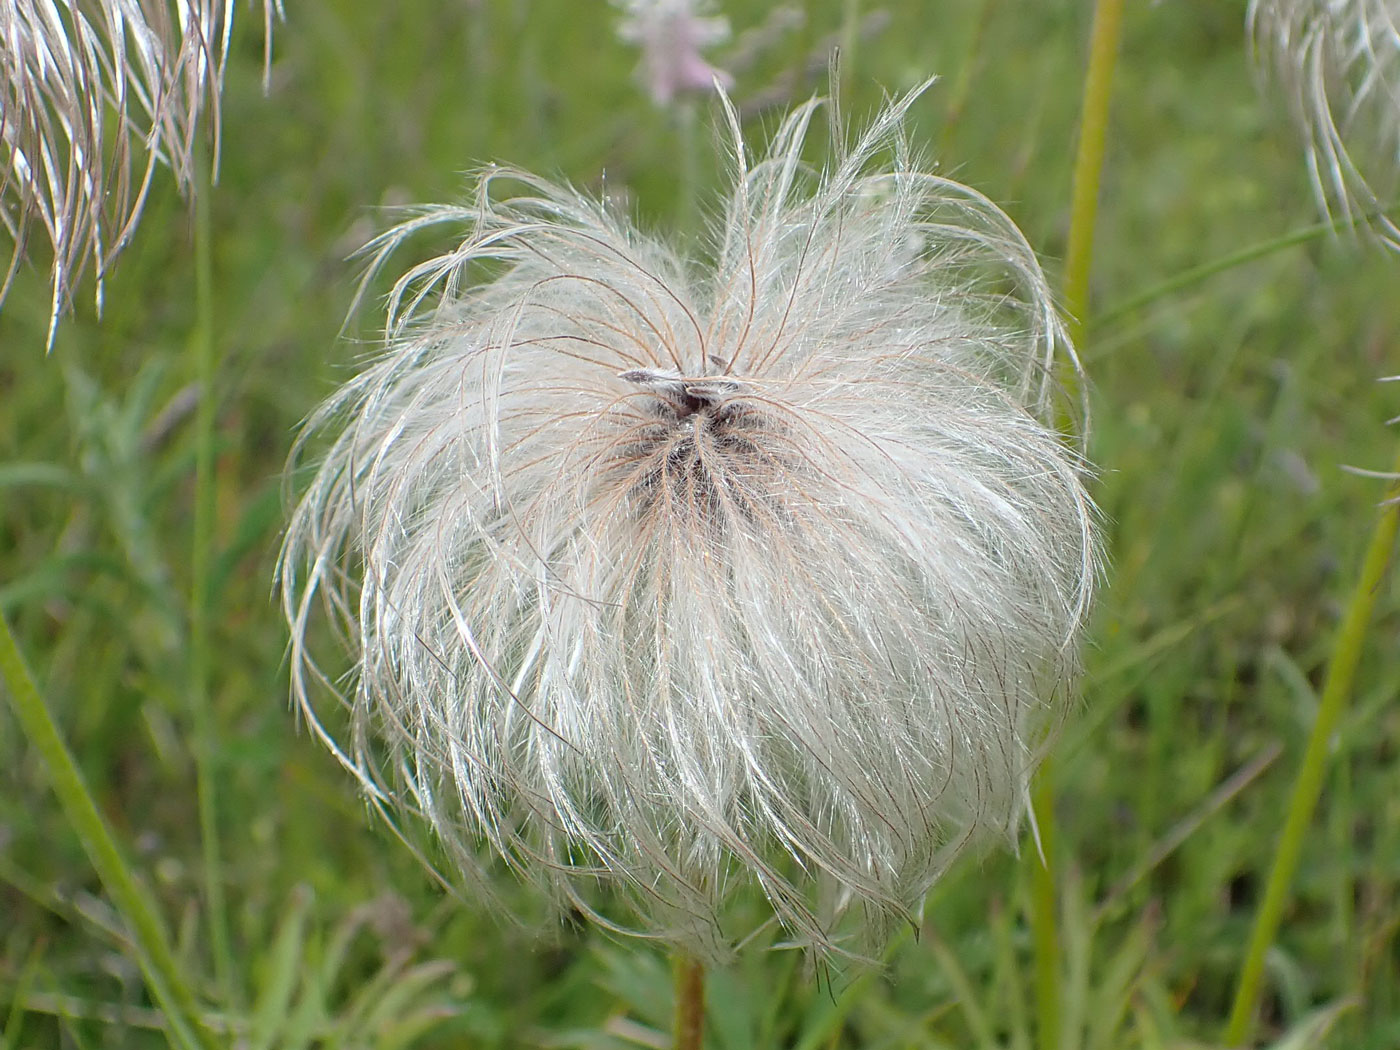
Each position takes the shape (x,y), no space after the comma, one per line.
(671,34)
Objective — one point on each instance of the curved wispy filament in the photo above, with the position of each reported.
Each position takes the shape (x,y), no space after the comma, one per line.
(1338,64)
(93,95)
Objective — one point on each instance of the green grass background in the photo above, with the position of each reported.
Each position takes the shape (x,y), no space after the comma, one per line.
(1222,413)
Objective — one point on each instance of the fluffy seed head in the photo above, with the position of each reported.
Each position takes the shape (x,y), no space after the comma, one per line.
(1338,63)
(678,577)
(93,93)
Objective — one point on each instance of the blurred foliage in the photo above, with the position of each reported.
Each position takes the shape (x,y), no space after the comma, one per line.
(1222,418)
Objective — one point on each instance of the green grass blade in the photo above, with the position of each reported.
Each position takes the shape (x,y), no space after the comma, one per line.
(1195,275)
(1336,691)
(157,961)
(272,1009)
(201,572)
(972,1010)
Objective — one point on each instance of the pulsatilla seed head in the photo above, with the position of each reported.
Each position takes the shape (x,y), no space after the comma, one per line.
(1336,63)
(661,579)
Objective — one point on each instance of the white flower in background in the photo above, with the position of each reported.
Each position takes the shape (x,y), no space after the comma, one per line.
(678,576)
(671,34)
(93,95)
(1338,62)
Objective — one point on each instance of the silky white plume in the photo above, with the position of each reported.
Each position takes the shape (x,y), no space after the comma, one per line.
(677,577)
(93,95)
(1338,63)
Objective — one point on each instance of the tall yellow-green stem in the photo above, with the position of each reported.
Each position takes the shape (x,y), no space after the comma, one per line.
(1336,691)
(1088,161)
(1084,205)
(148,937)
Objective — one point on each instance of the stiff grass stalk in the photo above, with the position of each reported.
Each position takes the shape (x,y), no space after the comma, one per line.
(1195,275)
(688,202)
(201,567)
(689,1018)
(1045,933)
(850,41)
(1084,205)
(962,86)
(148,938)
(1307,788)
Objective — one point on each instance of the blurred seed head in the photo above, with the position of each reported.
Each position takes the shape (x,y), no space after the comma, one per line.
(679,577)
(1338,64)
(93,95)
(671,34)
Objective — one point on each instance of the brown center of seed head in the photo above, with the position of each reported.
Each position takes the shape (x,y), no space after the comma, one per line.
(694,450)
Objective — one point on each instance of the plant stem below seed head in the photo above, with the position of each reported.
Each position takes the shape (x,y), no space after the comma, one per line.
(690,1003)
